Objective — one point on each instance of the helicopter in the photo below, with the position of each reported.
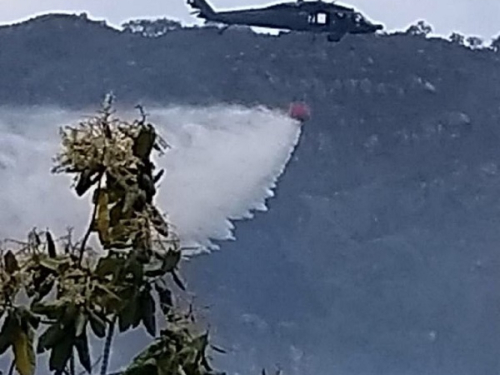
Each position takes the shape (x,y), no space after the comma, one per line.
(318,17)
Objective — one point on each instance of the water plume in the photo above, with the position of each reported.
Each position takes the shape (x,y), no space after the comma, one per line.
(223,164)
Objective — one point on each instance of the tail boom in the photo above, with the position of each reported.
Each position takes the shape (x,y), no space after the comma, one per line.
(204,9)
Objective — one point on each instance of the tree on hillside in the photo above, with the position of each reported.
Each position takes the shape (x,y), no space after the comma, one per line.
(421,28)
(457,38)
(495,43)
(474,42)
(151,28)
(76,291)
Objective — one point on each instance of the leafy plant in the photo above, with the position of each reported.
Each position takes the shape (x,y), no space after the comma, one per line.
(74,290)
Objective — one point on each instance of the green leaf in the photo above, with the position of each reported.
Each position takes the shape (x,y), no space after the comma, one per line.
(108,265)
(171,260)
(158,176)
(32,319)
(148,367)
(103,217)
(119,236)
(148,313)
(5,343)
(200,344)
(115,213)
(135,271)
(165,296)
(108,291)
(51,337)
(144,142)
(11,264)
(19,327)
(82,347)
(80,324)
(33,235)
(85,181)
(71,312)
(24,354)
(138,314)
(61,353)
(154,272)
(97,324)
(159,222)
(51,246)
(6,334)
(52,310)
(127,315)
(129,202)
(52,264)
(44,289)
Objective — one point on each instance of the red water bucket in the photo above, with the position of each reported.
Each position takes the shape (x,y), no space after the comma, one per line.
(299,111)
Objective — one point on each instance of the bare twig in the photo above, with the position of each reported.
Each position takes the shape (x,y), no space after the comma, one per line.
(107,346)
(143,113)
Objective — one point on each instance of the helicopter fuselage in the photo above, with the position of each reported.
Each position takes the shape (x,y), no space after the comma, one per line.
(311,16)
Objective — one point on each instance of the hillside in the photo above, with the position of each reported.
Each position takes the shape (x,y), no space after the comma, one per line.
(379,254)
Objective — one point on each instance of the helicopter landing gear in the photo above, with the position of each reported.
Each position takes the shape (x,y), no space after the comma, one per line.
(335,37)
(223,28)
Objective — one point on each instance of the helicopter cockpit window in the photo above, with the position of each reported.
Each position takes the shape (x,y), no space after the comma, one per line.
(320,18)
(358,17)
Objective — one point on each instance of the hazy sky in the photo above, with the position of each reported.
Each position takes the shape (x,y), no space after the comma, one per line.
(471,17)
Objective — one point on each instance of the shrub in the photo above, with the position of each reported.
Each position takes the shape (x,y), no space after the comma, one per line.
(75,291)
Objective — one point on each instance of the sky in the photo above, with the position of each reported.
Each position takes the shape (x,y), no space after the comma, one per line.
(469,17)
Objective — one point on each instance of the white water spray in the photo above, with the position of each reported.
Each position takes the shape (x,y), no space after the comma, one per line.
(224,163)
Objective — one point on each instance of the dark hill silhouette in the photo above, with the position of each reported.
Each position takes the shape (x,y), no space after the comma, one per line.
(380,252)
